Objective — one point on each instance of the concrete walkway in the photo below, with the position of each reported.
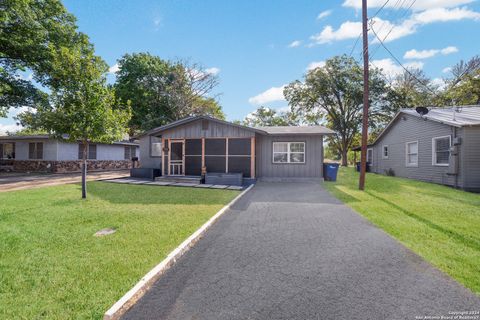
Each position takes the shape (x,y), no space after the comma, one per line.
(11,182)
(174,184)
(292,251)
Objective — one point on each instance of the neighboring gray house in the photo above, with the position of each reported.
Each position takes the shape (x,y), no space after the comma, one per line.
(442,147)
(188,145)
(40,153)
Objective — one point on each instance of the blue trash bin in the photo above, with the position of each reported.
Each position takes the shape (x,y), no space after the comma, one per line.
(330,171)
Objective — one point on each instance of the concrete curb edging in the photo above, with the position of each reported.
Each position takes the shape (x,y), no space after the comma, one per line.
(134,294)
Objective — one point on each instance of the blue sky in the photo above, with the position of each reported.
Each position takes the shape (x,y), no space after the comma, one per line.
(258,46)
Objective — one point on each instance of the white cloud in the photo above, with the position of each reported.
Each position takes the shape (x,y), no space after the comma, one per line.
(446,70)
(295,44)
(157,22)
(444,15)
(114,69)
(449,50)
(8,127)
(391,69)
(315,64)
(347,30)
(438,82)
(270,95)
(391,31)
(418,5)
(214,70)
(324,14)
(424,54)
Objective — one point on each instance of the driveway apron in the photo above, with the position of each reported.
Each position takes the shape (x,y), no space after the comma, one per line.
(292,251)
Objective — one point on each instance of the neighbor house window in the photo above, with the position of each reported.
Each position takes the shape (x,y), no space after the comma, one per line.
(91,152)
(289,152)
(35,150)
(385,152)
(441,151)
(130,152)
(7,150)
(411,149)
(155,147)
(370,156)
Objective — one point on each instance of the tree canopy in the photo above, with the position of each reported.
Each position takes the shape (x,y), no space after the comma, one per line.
(162,91)
(333,95)
(267,117)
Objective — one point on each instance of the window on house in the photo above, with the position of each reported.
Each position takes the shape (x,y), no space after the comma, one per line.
(411,154)
(385,152)
(289,152)
(155,147)
(91,152)
(441,151)
(7,150)
(370,156)
(130,152)
(35,150)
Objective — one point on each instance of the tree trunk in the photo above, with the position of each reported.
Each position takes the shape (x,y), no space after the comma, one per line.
(84,170)
(344,157)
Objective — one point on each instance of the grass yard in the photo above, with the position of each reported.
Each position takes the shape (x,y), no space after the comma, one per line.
(439,223)
(51,265)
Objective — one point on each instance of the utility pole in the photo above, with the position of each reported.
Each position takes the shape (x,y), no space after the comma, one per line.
(363,156)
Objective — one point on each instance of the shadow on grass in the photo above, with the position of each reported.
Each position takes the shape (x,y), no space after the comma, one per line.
(145,194)
(467,241)
(342,195)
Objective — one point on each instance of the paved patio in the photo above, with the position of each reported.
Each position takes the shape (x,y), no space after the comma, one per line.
(174,184)
(292,251)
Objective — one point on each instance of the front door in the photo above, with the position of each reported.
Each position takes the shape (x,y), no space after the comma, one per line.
(176,158)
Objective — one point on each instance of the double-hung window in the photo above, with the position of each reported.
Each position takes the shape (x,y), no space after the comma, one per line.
(385,152)
(289,152)
(91,151)
(370,156)
(411,154)
(155,147)
(441,151)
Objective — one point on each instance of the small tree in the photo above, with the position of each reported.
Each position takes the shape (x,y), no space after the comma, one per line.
(82,107)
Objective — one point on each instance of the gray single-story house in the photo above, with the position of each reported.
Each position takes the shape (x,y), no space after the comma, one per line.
(41,153)
(184,147)
(441,146)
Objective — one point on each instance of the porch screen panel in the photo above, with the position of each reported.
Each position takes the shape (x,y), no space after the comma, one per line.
(239,155)
(215,155)
(193,157)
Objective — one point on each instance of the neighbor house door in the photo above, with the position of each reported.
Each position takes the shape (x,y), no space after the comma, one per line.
(177,159)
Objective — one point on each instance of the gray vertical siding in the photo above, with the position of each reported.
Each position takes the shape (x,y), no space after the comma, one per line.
(147,161)
(471,158)
(215,130)
(67,151)
(49,149)
(312,168)
(409,128)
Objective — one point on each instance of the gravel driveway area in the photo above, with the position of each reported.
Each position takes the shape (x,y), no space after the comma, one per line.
(292,251)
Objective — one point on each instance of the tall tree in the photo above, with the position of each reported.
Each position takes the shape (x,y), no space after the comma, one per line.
(463,87)
(333,95)
(161,91)
(266,117)
(412,89)
(82,107)
(31,33)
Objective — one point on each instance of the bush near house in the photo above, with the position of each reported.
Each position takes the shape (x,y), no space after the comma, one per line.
(53,267)
(439,223)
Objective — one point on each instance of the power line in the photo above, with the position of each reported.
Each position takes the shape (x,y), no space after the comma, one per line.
(376,13)
(401,65)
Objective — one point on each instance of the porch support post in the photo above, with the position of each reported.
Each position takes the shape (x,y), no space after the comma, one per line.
(226,155)
(169,154)
(203,152)
(163,157)
(252,158)
(183,157)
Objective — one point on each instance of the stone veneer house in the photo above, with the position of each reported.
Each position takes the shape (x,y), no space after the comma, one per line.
(41,153)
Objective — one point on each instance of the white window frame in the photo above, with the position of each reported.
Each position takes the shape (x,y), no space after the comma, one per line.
(371,160)
(434,151)
(407,164)
(288,152)
(383,151)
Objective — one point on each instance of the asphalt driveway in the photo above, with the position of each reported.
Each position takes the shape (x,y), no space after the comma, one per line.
(292,251)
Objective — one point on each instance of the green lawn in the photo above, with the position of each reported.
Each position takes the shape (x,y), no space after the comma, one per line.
(439,223)
(51,265)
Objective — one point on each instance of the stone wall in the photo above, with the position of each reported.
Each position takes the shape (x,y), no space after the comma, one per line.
(69,166)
